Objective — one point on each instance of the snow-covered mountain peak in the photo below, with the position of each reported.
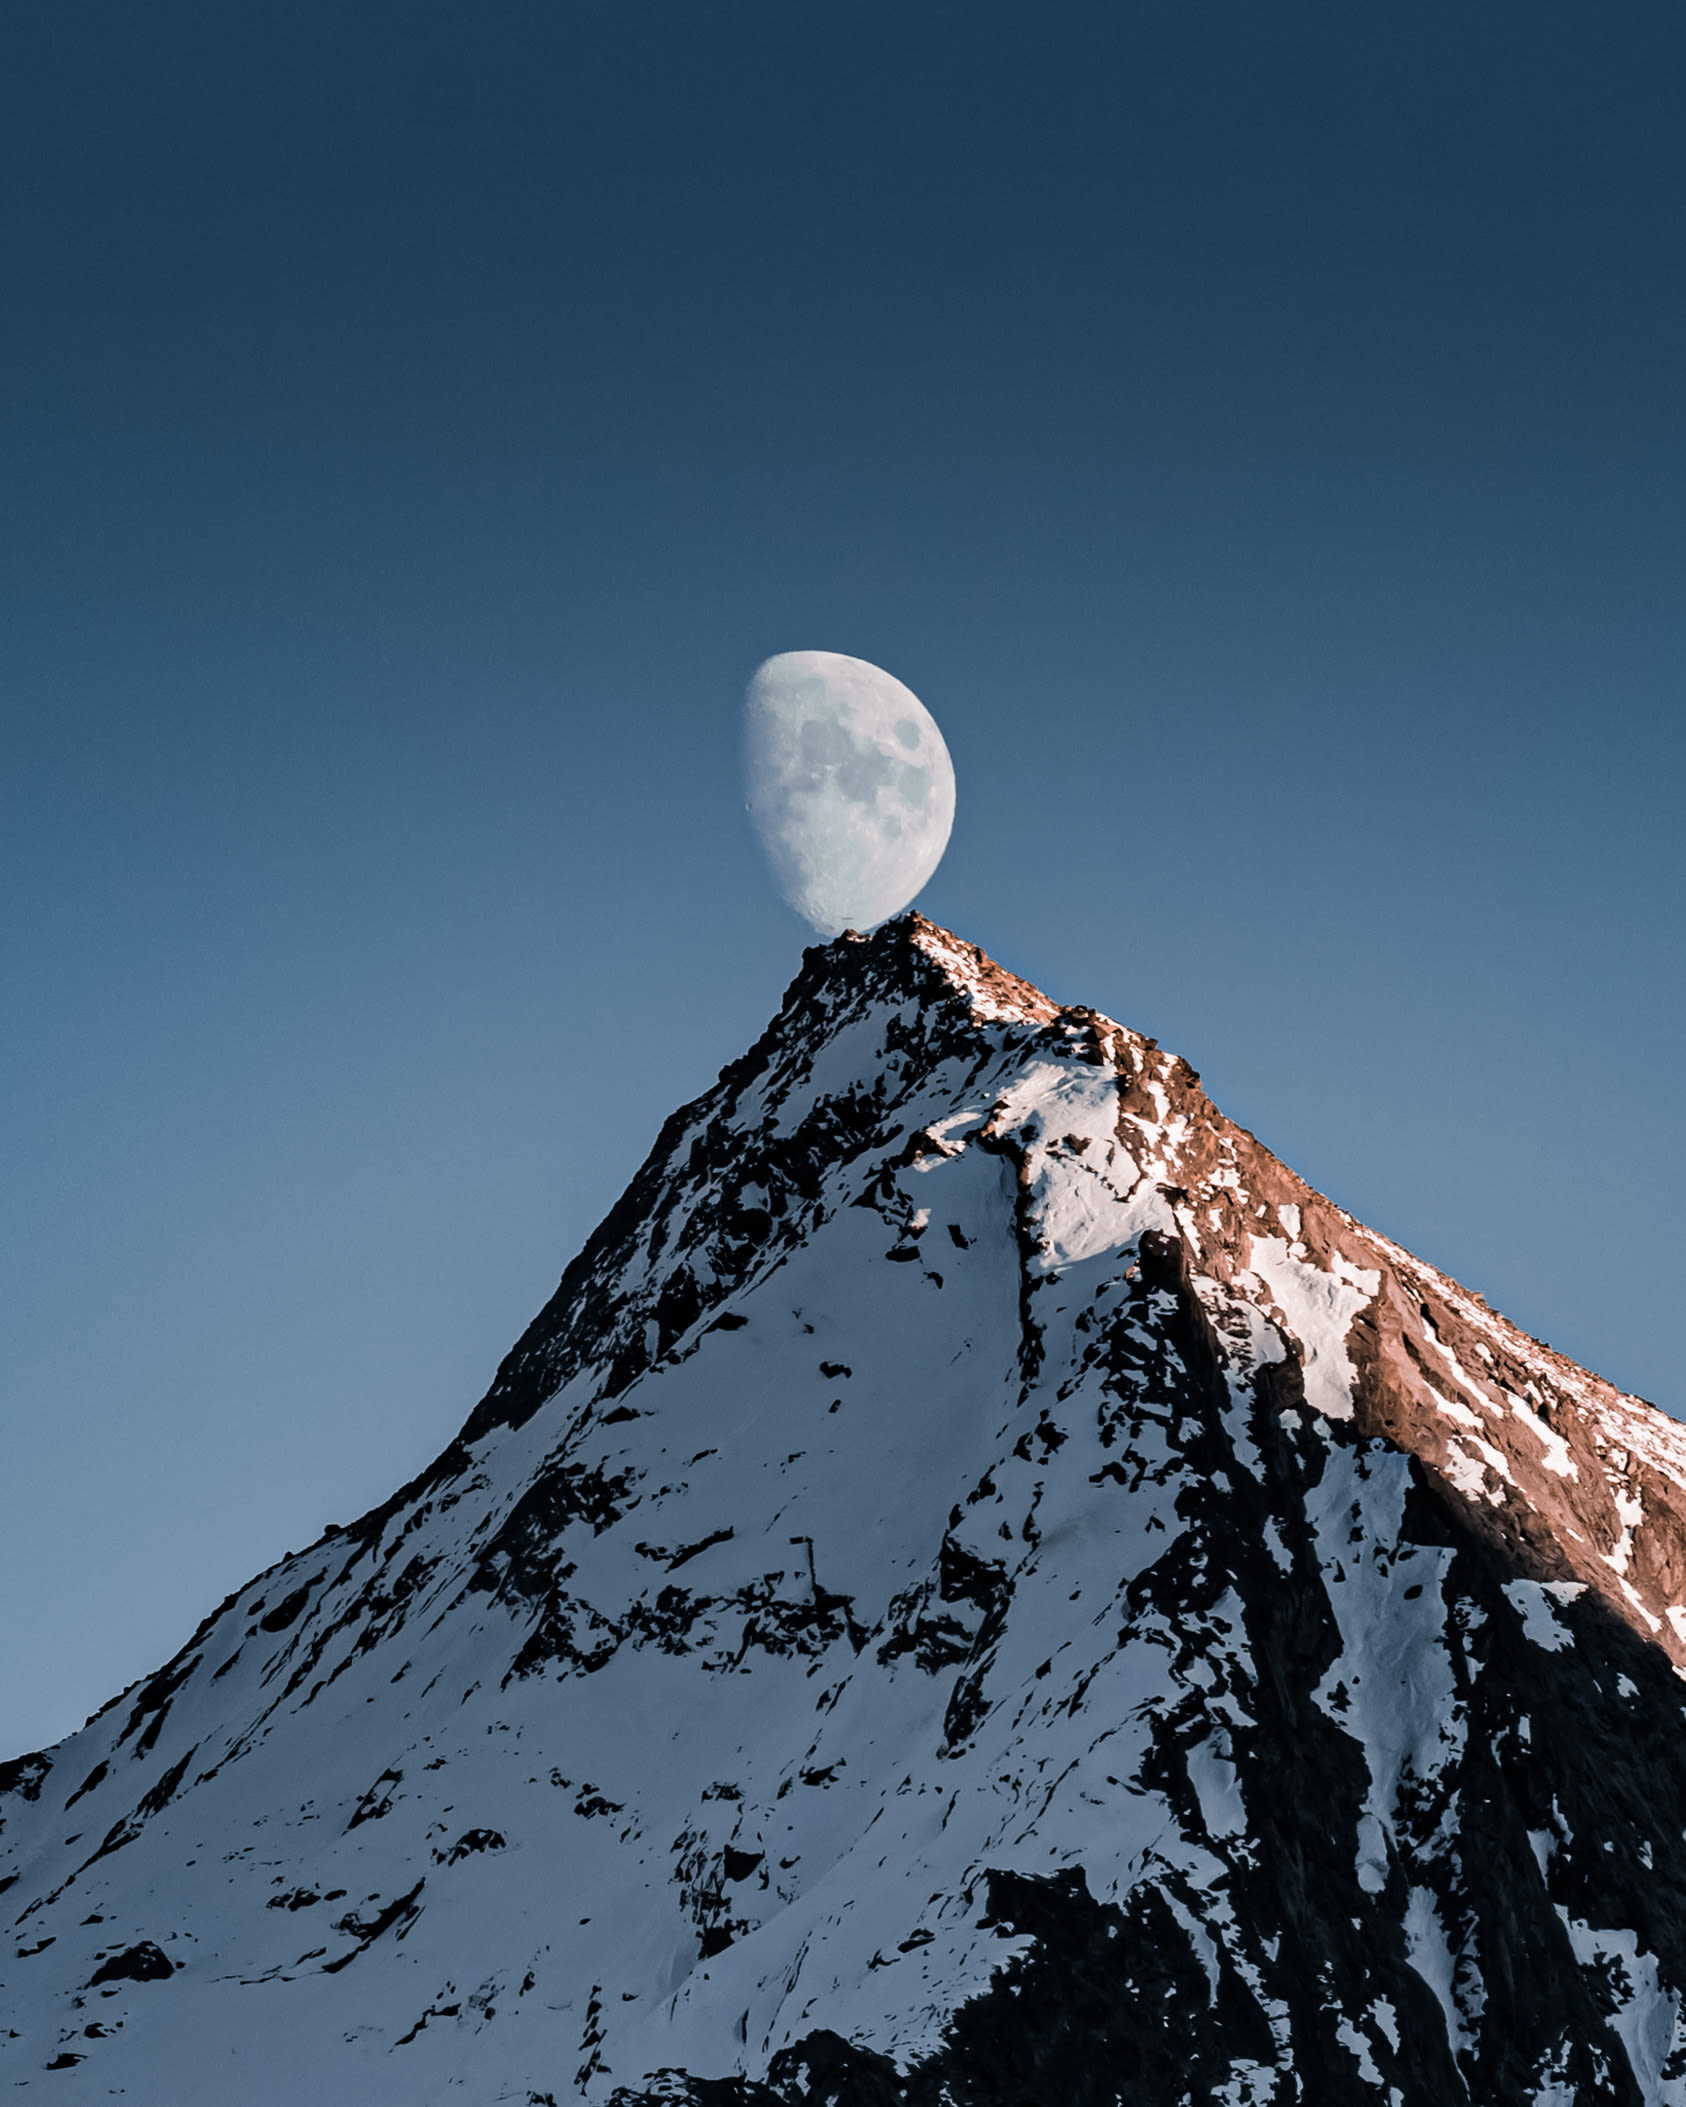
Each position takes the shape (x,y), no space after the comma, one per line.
(980,1585)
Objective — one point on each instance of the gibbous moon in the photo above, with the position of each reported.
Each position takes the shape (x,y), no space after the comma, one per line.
(850,787)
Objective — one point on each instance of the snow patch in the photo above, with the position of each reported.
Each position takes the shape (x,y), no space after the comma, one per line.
(1088,1197)
(1350,2038)
(1557,1457)
(1531,1599)
(1319,1308)
(1391,1687)
(1218,1789)
(1430,1954)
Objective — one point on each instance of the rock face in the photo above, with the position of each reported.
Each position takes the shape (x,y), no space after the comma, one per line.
(980,1588)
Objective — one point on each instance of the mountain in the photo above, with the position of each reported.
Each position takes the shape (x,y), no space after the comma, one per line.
(980,1587)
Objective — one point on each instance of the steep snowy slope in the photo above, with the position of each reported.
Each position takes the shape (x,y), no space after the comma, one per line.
(980,1587)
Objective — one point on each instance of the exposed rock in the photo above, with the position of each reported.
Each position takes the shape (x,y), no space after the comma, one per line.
(141,1963)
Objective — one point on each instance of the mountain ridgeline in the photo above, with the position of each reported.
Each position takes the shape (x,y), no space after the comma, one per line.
(980,1588)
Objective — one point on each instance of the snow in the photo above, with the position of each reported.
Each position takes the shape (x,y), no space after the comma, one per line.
(1468,1462)
(1391,1687)
(1351,2039)
(1213,1776)
(1557,1457)
(1088,1193)
(1452,1408)
(1630,1512)
(1430,1955)
(679,1662)
(830,1768)
(1319,1307)
(1647,2017)
(1276,1547)
(1531,1600)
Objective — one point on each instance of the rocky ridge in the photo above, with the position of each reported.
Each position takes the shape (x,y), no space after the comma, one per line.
(980,1587)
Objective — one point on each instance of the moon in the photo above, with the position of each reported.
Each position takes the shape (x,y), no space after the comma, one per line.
(850,787)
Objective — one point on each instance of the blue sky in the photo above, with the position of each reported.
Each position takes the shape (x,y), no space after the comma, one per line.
(1255,434)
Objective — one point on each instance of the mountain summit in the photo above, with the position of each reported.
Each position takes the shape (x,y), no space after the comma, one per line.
(979,1588)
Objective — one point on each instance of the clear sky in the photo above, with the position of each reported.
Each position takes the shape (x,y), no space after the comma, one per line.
(1256,433)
